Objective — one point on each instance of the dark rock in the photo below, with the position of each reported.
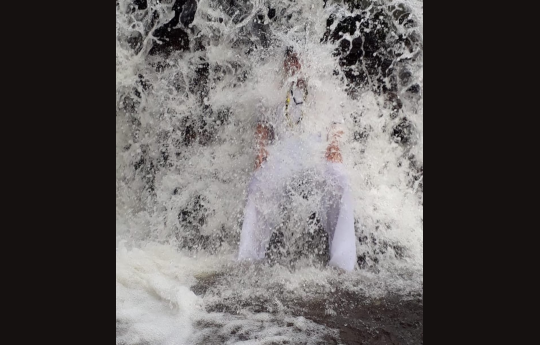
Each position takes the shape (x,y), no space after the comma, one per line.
(355,53)
(376,248)
(193,213)
(395,103)
(189,134)
(160,66)
(130,104)
(347,25)
(153,19)
(200,43)
(174,38)
(261,34)
(361,136)
(415,89)
(392,319)
(330,20)
(271,13)
(188,10)
(358,4)
(238,10)
(140,4)
(416,173)
(135,41)
(371,45)
(192,217)
(403,132)
(146,170)
(405,77)
(143,82)
(198,84)
(178,7)
(171,40)
(344,46)
(368,48)
(371,59)
(223,116)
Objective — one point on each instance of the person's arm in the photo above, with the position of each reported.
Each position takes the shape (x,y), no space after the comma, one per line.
(262,135)
(333,153)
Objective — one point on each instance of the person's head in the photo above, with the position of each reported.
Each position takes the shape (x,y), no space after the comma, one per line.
(291,64)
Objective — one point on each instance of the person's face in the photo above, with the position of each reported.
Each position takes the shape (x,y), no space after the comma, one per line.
(292,64)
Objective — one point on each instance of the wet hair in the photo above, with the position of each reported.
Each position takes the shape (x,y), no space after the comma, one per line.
(291,56)
(289,51)
(291,61)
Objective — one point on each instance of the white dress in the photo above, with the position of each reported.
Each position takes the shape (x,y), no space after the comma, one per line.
(291,153)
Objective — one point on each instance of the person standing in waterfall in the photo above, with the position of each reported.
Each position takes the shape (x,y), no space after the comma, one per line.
(281,153)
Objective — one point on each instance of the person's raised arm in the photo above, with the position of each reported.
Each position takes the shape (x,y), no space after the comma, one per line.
(262,135)
(333,153)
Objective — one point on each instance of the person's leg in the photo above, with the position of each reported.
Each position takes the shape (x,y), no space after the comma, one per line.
(338,217)
(260,211)
(256,230)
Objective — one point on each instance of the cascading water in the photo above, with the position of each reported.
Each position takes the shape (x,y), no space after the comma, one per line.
(190,79)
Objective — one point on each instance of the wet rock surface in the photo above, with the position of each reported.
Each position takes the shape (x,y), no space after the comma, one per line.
(392,319)
(173,36)
(374,54)
(388,320)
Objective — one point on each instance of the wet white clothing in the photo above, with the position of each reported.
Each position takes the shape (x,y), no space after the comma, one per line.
(292,154)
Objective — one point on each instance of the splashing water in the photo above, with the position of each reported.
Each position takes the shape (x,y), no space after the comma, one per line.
(190,78)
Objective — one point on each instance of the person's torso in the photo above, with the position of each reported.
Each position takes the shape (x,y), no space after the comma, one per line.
(290,114)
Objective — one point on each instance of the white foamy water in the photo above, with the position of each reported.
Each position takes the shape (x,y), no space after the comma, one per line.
(185,153)
(154,304)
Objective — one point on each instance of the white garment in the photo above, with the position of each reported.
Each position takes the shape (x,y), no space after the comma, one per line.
(289,121)
(291,154)
(285,120)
